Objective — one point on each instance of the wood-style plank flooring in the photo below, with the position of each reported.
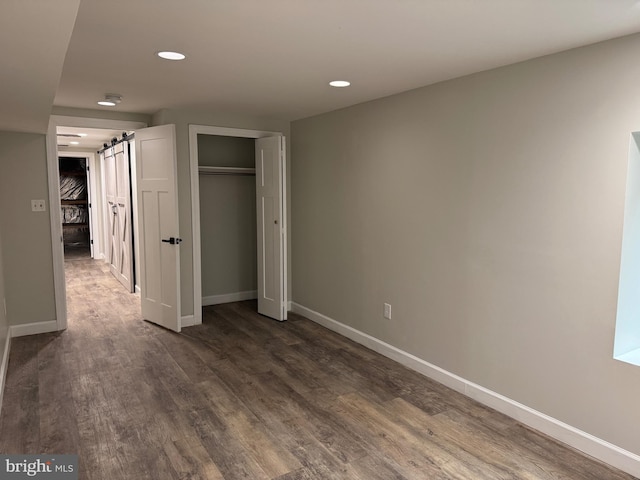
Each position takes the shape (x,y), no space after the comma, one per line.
(245,397)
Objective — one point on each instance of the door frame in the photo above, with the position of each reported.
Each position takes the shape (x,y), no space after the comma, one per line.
(57,248)
(95,212)
(194,131)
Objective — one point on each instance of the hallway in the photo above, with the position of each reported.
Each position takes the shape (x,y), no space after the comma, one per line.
(244,397)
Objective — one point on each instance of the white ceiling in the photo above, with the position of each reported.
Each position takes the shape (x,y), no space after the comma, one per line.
(34,35)
(274,58)
(89,139)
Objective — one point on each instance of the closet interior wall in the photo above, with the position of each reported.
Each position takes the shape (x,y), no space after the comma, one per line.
(227,219)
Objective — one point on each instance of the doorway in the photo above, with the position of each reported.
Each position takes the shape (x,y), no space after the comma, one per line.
(77,202)
(88,136)
(272,247)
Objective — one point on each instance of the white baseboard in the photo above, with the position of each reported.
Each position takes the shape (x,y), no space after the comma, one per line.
(229,297)
(187,321)
(33,328)
(4,365)
(583,441)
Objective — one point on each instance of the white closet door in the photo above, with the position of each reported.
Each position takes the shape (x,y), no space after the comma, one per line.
(270,211)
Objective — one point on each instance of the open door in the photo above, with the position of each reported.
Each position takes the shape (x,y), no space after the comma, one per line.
(157,195)
(272,288)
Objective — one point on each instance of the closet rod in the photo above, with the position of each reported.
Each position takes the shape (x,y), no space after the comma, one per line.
(226,171)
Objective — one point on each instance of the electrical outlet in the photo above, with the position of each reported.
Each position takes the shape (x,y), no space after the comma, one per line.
(38,206)
(387,311)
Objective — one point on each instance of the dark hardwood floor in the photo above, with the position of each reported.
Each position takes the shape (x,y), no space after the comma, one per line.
(245,397)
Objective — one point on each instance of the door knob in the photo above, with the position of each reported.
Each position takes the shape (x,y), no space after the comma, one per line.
(172,240)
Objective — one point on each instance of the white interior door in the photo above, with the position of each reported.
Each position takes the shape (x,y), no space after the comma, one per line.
(272,289)
(156,179)
(124,272)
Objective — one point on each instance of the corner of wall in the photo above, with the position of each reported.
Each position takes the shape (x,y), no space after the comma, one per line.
(5,337)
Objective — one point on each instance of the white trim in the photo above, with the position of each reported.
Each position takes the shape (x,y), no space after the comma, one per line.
(33,328)
(195,224)
(284,233)
(187,321)
(86,122)
(57,249)
(103,208)
(4,366)
(229,297)
(194,131)
(583,441)
(96,208)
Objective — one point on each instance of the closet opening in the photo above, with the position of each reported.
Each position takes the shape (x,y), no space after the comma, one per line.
(226,167)
(238,185)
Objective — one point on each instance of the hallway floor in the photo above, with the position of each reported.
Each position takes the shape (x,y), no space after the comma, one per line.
(245,397)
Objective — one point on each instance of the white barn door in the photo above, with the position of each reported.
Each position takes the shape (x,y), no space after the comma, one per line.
(118,193)
(156,178)
(110,179)
(124,271)
(272,288)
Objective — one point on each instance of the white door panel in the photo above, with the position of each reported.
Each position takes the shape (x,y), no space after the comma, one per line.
(113,243)
(271,227)
(156,180)
(123,209)
(118,194)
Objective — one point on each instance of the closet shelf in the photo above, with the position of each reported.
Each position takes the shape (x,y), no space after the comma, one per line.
(73,202)
(226,171)
(76,225)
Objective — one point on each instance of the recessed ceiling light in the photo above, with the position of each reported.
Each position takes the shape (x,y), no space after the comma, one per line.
(74,143)
(171,55)
(110,100)
(339,83)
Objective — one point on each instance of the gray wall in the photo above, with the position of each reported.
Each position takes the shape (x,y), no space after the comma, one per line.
(4,322)
(182,119)
(488,211)
(227,217)
(26,235)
